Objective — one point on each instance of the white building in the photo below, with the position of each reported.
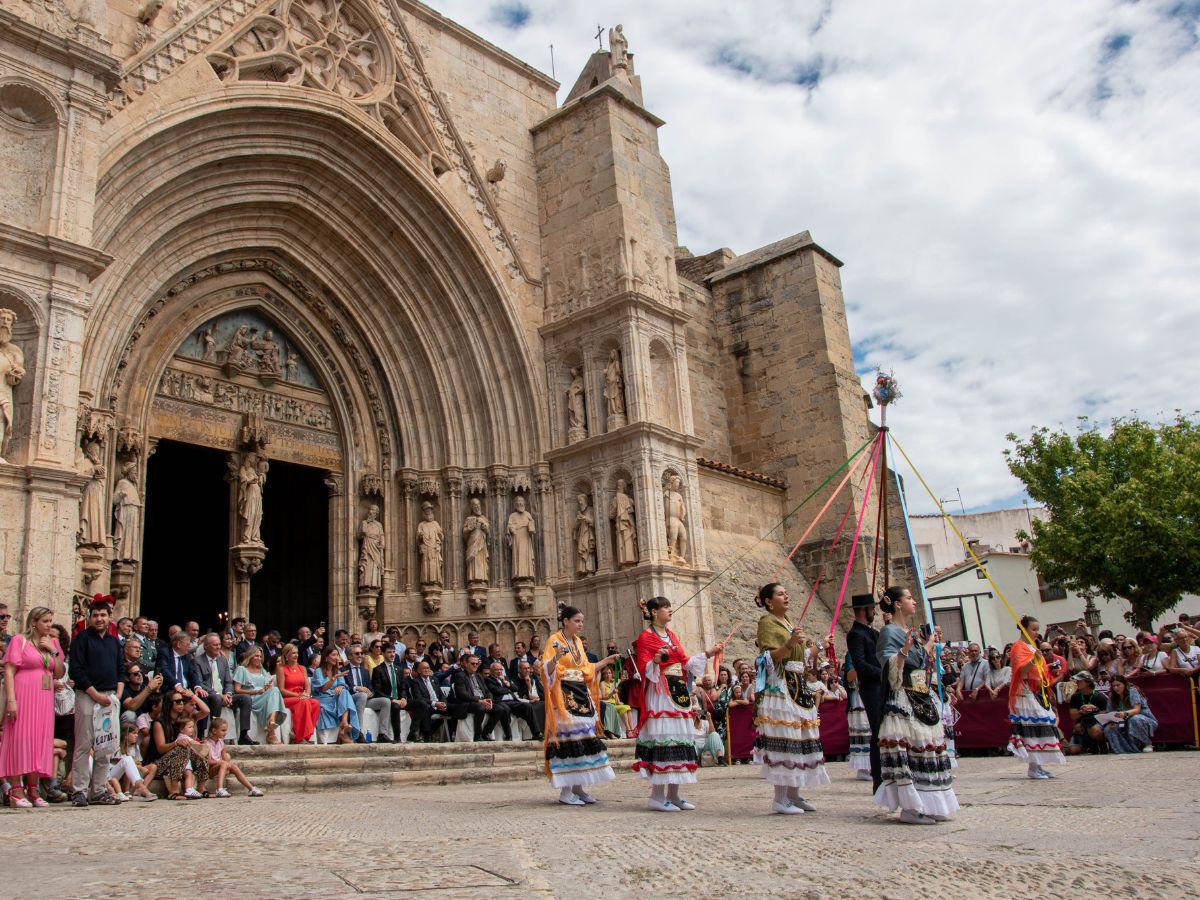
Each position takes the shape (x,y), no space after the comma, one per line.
(940,548)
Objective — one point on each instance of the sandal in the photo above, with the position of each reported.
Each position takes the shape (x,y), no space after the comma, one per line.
(177,797)
(273,733)
(17,802)
(205,795)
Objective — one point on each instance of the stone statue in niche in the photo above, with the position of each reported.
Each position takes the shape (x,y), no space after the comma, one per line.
(429,546)
(621,511)
(252,477)
(676,512)
(292,365)
(370,551)
(618,46)
(585,538)
(521,529)
(208,344)
(93,511)
(12,370)
(576,412)
(475,534)
(127,515)
(614,391)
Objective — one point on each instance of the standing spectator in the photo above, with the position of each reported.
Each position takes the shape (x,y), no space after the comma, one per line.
(973,678)
(175,663)
(249,639)
(131,654)
(746,683)
(149,639)
(494,655)
(389,698)
(5,618)
(447,647)
(393,635)
(64,712)
(998,675)
(1079,657)
(329,687)
(237,630)
(95,668)
(1136,724)
(591,657)
(372,632)
(473,645)
(1106,663)
(358,680)
(192,630)
(32,661)
(125,630)
(341,640)
(252,680)
(309,644)
(1055,664)
(272,644)
(1184,658)
(520,652)
(296,689)
(214,675)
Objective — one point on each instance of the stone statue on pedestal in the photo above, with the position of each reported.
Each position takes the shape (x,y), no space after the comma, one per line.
(370,553)
(237,351)
(618,46)
(208,343)
(475,534)
(676,513)
(585,538)
(614,391)
(521,529)
(576,413)
(267,352)
(621,511)
(252,476)
(127,515)
(12,370)
(93,511)
(429,546)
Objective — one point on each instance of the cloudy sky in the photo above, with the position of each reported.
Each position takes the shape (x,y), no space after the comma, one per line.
(1014,188)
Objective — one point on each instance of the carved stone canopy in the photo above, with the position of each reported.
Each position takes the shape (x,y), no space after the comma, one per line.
(371,486)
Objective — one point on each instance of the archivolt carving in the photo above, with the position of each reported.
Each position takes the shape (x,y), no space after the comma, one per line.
(332,315)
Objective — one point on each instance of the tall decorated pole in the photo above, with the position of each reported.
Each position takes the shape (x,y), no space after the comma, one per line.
(886,392)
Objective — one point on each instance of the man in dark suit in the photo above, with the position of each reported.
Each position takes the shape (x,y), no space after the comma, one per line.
(427,702)
(469,687)
(177,666)
(519,653)
(494,655)
(387,685)
(213,677)
(592,657)
(860,644)
(504,694)
(529,689)
(473,646)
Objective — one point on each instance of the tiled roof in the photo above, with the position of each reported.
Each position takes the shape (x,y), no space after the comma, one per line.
(741,473)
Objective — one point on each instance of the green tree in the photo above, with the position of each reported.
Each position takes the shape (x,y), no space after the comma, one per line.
(1124,510)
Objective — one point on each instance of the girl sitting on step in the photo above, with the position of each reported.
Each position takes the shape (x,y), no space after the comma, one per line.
(220,765)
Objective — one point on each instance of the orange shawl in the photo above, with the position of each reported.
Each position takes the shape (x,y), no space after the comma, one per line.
(1036,679)
(556,709)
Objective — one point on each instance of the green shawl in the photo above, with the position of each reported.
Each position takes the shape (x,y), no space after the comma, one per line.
(772,634)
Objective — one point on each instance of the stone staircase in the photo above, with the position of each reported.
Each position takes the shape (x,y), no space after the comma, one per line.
(319,767)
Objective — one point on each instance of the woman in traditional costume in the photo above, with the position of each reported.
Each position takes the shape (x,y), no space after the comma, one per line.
(857,724)
(912,744)
(1031,714)
(788,745)
(666,741)
(575,755)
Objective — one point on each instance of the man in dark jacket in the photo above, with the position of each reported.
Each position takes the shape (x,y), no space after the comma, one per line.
(860,644)
(95,668)
(469,688)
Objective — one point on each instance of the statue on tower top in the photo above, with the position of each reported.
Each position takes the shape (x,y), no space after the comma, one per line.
(618,48)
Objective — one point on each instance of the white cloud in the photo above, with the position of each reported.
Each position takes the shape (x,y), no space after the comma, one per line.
(1015,188)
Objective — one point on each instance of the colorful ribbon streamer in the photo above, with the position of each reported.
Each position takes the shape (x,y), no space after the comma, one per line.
(857,531)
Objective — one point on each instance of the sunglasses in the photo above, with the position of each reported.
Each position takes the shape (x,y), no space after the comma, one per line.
(175,701)
(4,617)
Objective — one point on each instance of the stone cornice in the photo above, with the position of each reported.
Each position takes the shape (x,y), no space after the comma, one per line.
(63,50)
(598,442)
(632,299)
(433,17)
(46,248)
(66,482)
(740,473)
(642,572)
(608,89)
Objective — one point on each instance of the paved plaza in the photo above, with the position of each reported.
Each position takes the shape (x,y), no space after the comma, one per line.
(1115,826)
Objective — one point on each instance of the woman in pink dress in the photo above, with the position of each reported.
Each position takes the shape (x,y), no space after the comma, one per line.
(34,659)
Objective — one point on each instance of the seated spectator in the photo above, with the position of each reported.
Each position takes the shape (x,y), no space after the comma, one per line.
(174,748)
(175,663)
(329,687)
(145,722)
(215,676)
(126,779)
(358,681)
(150,647)
(389,698)
(520,652)
(409,663)
(709,740)
(272,644)
(468,688)
(220,765)
(393,635)
(427,702)
(308,644)
(131,653)
(229,649)
(314,652)
(341,640)
(1086,702)
(295,688)
(505,695)
(436,658)
(422,649)
(494,654)
(251,679)
(529,689)
(137,691)
(1137,723)
(248,641)
(1184,658)
(611,708)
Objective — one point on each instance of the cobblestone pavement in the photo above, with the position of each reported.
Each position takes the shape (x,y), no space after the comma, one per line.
(1115,826)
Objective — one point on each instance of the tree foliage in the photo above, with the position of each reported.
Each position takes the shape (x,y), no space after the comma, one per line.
(1124,510)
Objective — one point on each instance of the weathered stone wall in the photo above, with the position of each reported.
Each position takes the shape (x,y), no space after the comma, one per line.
(706,364)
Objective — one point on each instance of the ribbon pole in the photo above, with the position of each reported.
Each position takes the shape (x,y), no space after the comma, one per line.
(857,531)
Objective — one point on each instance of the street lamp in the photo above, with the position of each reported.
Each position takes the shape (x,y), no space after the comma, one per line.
(1091,615)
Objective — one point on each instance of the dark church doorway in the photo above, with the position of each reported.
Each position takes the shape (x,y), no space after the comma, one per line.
(292,588)
(185,544)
